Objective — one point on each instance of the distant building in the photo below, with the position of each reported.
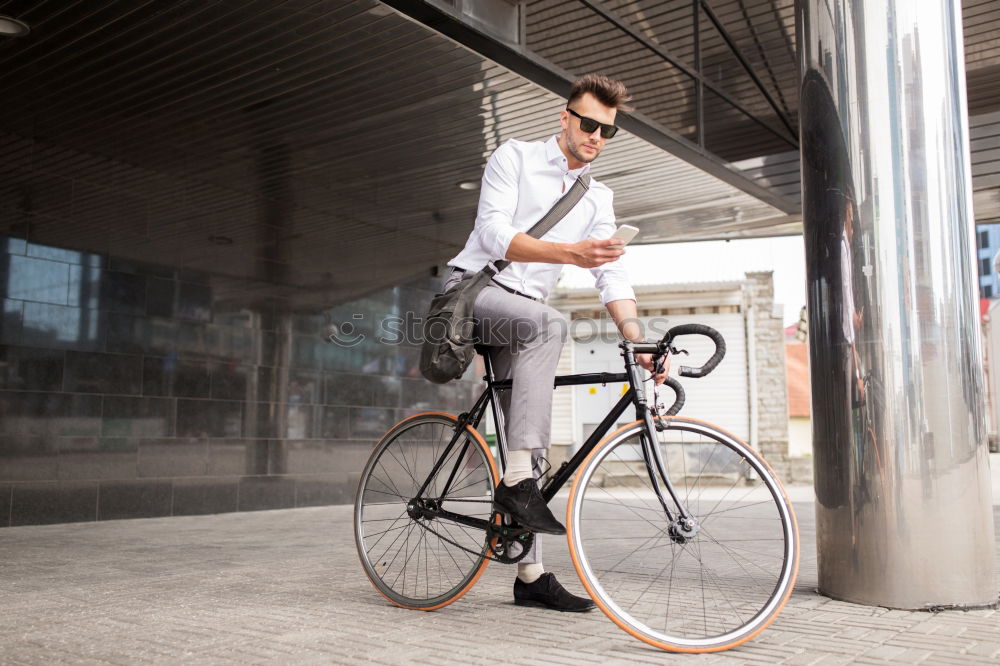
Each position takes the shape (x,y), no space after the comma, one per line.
(745,395)
(799,400)
(989,317)
(988,246)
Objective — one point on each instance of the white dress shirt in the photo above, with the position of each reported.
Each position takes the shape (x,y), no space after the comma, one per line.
(521,183)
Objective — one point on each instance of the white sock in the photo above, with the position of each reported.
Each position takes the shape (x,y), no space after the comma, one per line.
(518,467)
(529,573)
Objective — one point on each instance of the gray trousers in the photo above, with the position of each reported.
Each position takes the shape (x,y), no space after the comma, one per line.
(525,338)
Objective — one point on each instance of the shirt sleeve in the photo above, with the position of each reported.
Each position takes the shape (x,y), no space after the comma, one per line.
(498,201)
(611,278)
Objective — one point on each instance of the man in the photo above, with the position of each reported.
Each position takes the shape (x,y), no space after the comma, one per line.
(520,184)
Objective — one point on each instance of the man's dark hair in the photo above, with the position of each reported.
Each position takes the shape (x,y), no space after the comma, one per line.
(608,91)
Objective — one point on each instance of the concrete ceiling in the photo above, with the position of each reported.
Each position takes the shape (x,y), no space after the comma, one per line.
(311,150)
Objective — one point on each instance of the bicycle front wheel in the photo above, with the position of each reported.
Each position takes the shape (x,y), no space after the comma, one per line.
(685,588)
(414,559)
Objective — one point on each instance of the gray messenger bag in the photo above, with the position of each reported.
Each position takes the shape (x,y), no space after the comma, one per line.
(449,329)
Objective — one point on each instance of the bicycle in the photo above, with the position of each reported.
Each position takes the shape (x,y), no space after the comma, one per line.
(680,533)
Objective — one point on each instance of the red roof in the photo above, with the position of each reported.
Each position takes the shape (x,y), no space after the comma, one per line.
(797,377)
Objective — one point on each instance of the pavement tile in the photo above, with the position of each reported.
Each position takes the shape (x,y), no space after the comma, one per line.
(928,642)
(850,632)
(893,613)
(942,628)
(889,652)
(914,655)
(755,657)
(878,623)
(879,635)
(801,627)
(983,636)
(802,659)
(958,659)
(834,660)
(834,645)
(985,649)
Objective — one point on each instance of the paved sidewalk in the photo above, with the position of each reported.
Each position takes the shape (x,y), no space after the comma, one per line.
(286,587)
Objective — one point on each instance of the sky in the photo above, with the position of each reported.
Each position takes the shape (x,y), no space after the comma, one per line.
(711,261)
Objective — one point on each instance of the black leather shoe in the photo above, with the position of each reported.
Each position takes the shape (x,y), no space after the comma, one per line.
(548,593)
(524,502)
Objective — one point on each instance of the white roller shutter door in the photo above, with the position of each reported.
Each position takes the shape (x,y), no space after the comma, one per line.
(721,398)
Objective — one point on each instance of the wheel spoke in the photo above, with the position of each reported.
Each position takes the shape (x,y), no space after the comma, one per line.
(387,483)
(391,544)
(385,531)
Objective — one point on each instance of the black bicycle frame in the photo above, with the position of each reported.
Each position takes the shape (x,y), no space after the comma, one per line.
(491,397)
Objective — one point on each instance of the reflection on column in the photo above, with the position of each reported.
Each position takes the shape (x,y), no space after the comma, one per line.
(904,515)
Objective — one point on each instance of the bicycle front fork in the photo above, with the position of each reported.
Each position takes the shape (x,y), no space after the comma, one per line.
(682,525)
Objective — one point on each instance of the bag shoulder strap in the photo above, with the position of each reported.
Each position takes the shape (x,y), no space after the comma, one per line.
(550,219)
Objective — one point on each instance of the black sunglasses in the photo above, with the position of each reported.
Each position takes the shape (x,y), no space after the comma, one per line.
(588,125)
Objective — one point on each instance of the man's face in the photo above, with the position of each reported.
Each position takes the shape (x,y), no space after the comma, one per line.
(582,146)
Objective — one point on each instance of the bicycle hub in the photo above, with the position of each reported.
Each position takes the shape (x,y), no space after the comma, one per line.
(683,529)
(426,508)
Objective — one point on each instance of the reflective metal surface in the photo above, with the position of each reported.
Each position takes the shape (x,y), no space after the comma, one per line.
(131,391)
(904,514)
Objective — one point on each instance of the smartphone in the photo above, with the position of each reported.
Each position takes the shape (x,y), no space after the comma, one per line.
(625,233)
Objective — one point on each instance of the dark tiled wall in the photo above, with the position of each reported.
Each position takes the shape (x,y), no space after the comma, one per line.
(130,391)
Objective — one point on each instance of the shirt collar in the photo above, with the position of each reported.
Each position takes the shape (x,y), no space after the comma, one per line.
(554,154)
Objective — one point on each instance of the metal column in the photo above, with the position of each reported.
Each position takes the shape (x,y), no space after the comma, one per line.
(904,513)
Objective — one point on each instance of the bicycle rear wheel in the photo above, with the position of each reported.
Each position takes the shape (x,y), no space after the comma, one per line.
(682,590)
(416,561)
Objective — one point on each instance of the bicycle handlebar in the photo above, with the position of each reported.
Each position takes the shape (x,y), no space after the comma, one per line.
(678,395)
(698,329)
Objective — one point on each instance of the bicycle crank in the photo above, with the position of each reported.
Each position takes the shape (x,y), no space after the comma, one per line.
(504,538)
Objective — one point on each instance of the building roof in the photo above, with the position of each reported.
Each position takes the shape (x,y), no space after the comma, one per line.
(797,377)
(679,287)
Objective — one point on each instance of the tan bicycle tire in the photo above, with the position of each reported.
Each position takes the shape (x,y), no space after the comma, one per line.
(790,574)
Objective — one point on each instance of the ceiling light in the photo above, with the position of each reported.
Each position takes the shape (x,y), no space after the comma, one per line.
(468,185)
(11,27)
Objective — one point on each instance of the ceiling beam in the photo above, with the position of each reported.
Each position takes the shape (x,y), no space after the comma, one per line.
(539,71)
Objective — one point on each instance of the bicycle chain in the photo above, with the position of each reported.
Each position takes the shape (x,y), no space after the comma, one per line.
(498,557)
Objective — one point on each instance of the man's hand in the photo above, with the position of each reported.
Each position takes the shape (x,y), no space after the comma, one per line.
(588,253)
(625,314)
(646,361)
(591,252)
